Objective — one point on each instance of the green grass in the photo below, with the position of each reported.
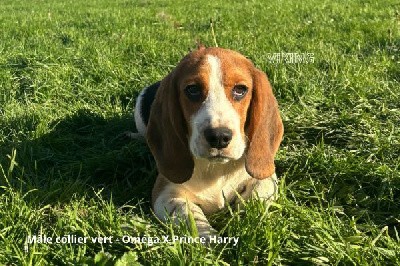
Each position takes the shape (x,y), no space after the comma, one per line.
(69,73)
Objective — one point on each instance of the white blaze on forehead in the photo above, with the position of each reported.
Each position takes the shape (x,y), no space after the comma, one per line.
(217,104)
(215,73)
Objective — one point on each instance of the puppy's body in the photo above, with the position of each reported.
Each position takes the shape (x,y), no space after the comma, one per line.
(211,187)
(213,127)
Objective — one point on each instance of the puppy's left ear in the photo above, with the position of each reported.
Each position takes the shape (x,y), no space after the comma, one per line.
(265,128)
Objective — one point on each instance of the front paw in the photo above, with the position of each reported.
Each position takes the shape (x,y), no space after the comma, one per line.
(267,190)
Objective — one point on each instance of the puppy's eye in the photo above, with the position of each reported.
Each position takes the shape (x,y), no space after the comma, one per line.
(193,92)
(238,92)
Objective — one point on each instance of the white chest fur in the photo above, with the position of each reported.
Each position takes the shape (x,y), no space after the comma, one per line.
(213,185)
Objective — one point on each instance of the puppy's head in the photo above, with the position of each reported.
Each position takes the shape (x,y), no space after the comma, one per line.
(217,106)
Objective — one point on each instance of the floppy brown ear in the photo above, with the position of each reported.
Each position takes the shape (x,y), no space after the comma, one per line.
(265,128)
(167,134)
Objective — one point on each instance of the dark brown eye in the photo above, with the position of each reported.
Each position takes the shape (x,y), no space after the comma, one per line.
(238,92)
(193,92)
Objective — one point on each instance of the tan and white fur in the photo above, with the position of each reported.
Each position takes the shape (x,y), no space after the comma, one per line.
(214,129)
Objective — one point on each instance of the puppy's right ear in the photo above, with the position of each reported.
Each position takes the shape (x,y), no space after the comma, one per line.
(167,133)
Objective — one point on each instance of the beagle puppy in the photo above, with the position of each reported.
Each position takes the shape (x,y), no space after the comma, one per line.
(213,127)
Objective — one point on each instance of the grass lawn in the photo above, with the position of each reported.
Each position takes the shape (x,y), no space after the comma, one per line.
(69,74)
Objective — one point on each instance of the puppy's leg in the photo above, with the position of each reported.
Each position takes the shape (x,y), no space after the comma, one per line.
(266,189)
(179,208)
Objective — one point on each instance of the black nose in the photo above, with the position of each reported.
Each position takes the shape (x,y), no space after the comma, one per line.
(218,137)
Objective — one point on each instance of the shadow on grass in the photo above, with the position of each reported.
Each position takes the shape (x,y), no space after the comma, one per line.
(83,154)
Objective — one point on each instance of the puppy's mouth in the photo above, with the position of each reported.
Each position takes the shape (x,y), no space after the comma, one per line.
(218,156)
